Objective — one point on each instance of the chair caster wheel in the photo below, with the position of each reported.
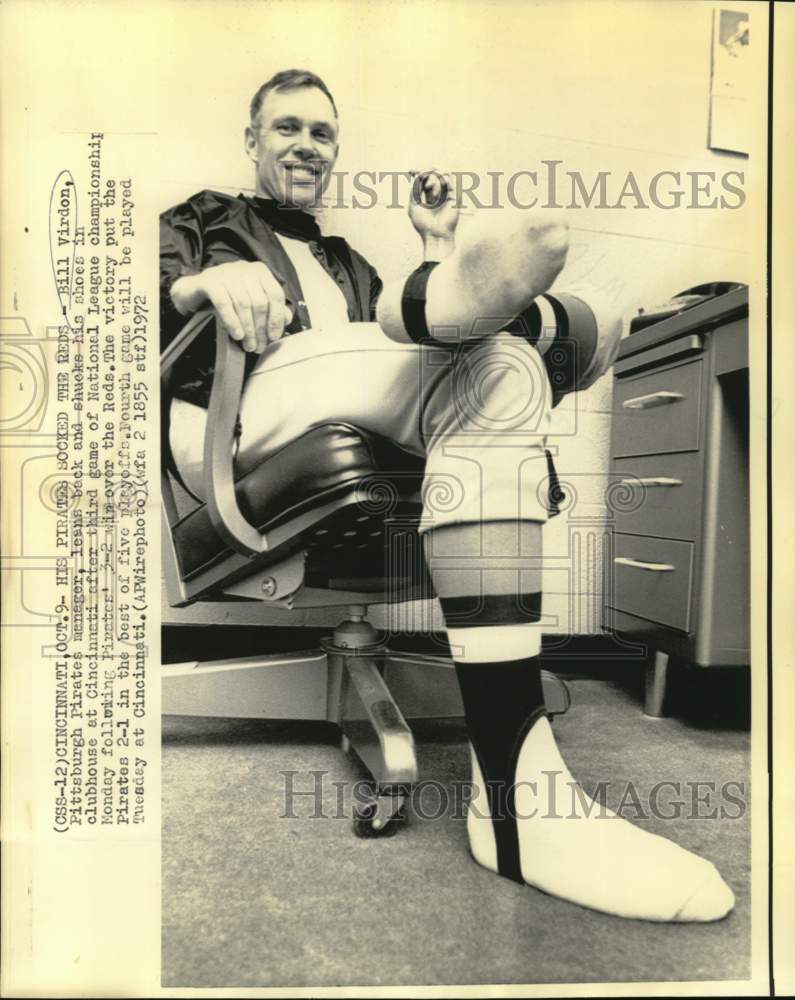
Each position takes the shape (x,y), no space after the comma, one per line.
(557,697)
(380,817)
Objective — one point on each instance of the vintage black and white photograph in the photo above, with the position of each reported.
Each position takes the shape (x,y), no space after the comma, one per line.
(396,550)
(455,400)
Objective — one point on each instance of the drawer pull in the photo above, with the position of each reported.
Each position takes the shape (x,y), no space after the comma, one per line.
(661,398)
(655,567)
(652,481)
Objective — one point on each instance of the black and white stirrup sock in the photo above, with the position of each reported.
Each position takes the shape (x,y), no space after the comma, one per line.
(412,303)
(510,692)
(528,819)
(562,327)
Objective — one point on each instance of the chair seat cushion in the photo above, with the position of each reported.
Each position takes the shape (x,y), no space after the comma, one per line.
(327,461)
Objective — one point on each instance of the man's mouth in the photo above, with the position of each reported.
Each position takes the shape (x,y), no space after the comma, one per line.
(303,173)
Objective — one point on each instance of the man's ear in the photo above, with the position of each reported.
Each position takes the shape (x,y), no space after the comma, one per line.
(250,139)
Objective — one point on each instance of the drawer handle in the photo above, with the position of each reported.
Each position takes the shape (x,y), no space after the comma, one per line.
(661,398)
(652,481)
(655,567)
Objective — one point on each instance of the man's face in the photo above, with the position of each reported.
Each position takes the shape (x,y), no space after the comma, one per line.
(294,146)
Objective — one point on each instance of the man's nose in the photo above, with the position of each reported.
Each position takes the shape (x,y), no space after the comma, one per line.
(304,144)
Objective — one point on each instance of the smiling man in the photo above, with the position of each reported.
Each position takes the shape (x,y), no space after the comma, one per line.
(449,363)
(210,242)
(292,140)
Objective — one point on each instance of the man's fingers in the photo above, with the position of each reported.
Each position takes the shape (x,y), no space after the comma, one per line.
(249,302)
(234,309)
(222,302)
(435,187)
(276,312)
(260,309)
(245,311)
(275,323)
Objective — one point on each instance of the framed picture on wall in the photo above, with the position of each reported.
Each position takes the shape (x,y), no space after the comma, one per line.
(729,111)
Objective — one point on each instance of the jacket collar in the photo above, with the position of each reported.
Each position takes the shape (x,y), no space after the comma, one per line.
(290,222)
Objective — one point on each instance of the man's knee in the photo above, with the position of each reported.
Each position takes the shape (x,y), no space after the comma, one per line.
(500,386)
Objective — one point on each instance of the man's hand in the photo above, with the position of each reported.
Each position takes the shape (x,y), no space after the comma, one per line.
(248,299)
(433,212)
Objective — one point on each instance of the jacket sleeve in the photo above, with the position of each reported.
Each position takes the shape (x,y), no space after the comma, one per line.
(376,287)
(370,285)
(181,249)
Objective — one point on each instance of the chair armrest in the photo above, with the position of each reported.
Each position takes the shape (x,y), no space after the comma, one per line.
(219,436)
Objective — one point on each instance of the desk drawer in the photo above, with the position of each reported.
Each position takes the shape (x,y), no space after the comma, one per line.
(652,579)
(657,495)
(659,412)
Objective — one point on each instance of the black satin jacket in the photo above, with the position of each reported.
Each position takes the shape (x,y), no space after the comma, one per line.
(213,228)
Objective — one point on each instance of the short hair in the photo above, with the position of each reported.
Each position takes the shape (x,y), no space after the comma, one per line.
(289,79)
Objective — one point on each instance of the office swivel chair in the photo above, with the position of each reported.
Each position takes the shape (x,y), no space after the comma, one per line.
(329,520)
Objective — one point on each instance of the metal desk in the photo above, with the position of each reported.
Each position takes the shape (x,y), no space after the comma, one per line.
(679,568)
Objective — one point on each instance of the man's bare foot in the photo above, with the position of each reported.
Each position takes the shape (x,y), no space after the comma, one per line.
(502,261)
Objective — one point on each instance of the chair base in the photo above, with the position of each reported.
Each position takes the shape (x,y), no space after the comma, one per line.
(353,681)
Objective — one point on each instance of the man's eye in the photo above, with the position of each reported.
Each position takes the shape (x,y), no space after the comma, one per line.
(322,135)
(285,128)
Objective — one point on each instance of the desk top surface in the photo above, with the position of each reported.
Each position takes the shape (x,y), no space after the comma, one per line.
(706,316)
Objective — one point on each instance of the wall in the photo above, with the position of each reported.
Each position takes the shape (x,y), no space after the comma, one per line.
(494,87)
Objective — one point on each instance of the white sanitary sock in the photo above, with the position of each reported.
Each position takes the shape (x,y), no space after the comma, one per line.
(597,860)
